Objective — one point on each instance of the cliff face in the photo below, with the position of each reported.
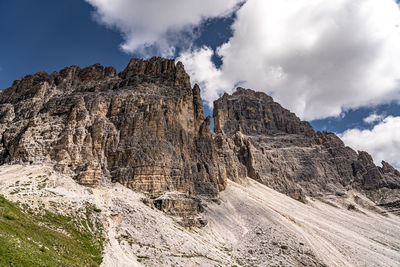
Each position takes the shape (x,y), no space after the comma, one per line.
(145,129)
(276,148)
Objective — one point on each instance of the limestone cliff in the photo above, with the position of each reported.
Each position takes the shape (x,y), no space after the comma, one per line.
(145,128)
(273,146)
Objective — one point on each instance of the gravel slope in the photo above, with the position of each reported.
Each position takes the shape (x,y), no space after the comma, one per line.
(337,236)
(252,225)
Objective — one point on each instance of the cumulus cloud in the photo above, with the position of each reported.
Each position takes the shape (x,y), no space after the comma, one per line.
(158,26)
(383,141)
(317,58)
(204,72)
(372,118)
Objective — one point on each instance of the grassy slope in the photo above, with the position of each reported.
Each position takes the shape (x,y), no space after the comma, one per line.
(28,239)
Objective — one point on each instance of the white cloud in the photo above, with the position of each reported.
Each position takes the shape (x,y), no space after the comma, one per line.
(317,58)
(383,141)
(158,23)
(203,71)
(373,117)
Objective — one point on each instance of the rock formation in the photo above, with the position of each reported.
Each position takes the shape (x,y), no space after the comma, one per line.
(276,148)
(145,128)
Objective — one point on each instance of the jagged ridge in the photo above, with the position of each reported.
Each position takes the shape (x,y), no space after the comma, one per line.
(145,129)
(278,149)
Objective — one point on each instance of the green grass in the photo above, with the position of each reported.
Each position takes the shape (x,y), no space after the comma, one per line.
(96,210)
(28,239)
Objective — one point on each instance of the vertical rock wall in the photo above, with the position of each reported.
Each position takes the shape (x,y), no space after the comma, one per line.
(260,139)
(144,127)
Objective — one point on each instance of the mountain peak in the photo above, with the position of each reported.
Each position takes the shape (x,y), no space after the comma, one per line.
(145,128)
(255,113)
(160,69)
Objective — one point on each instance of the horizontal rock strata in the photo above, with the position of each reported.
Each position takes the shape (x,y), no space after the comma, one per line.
(273,146)
(145,128)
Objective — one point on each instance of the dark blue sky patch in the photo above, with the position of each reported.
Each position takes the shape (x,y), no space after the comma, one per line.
(48,35)
(354,118)
(215,32)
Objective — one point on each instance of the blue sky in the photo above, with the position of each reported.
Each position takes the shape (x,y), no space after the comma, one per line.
(47,35)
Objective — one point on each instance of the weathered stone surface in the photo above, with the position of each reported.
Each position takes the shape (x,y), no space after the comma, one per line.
(143,128)
(156,71)
(258,138)
(255,113)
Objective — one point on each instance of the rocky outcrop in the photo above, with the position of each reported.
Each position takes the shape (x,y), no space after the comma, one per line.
(260,139)
(255,113)
(143,128)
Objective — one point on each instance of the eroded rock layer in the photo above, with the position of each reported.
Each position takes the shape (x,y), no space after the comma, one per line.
(143,128)
(268,143)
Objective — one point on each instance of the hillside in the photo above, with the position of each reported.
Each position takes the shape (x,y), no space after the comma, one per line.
(127,164)
(250,225)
